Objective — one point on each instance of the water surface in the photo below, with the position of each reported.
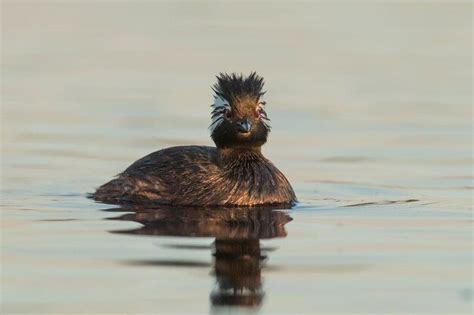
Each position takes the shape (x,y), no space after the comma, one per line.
(371,113)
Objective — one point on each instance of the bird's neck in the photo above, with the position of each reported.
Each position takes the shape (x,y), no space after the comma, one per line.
(235,156)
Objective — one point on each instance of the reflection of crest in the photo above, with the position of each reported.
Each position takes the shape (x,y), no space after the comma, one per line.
(238,258)
(237,267)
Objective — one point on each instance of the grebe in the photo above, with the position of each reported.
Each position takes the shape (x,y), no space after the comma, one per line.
(234,173)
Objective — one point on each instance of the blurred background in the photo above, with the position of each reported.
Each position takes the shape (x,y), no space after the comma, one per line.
(371,107)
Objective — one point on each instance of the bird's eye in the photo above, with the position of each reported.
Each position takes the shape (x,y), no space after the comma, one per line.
(227,113)
(259,111)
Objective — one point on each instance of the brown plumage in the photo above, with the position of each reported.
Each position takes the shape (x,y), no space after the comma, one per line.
(235,173)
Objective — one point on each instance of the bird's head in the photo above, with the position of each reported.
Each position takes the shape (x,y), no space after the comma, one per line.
(238,114)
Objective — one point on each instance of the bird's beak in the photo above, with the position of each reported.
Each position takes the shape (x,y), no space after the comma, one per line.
(244,125)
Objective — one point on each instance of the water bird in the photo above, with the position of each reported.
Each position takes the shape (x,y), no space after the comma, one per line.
(234,173)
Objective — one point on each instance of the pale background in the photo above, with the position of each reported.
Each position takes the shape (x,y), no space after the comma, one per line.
(371,102)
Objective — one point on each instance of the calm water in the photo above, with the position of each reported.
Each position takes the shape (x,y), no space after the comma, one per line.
(371,111)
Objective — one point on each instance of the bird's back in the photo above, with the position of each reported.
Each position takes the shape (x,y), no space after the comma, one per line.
(160,176)
(194,176)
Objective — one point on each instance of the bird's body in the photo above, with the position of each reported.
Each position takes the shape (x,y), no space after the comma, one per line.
(199,176)
(234,173)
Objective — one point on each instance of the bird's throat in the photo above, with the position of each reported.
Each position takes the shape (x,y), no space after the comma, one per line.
(235,156)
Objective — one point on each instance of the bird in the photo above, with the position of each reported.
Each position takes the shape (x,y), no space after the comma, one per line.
(233,173)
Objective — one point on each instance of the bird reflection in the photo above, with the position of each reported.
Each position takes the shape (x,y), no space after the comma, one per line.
(237,266)
(238,257)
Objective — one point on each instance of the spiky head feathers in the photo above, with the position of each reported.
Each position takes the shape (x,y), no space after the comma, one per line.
(233,87)
(238,105)
(238,95)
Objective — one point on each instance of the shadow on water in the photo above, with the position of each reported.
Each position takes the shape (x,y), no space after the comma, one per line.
(238,256)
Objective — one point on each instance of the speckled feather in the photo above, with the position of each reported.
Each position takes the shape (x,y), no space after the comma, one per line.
(196,175)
